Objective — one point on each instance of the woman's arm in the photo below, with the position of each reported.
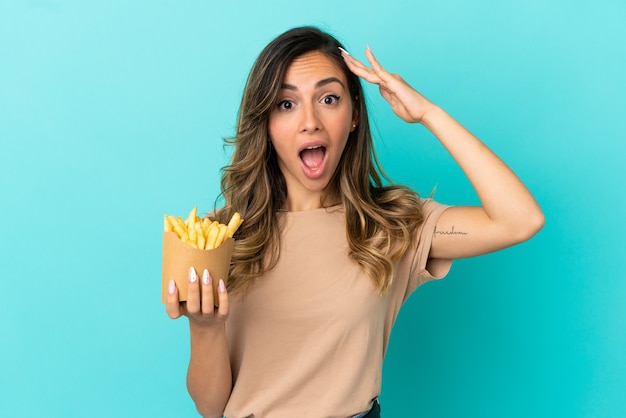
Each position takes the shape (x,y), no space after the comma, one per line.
(209,377)
(508,213)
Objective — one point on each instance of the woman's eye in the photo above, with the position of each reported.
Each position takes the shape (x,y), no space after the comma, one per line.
(330,99)
(284,105)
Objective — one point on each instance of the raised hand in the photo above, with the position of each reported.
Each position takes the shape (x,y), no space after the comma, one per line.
(405,101)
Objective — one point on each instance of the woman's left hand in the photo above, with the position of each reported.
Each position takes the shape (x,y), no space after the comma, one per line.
(405,101)
(508,213)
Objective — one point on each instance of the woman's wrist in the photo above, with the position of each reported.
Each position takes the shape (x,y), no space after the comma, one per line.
(209,330)
(430,117)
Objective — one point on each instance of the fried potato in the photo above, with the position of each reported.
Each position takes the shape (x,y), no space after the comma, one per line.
(191,219)
(211,240)
(193,237)
(180,230)
(221,236)
(202,234)
(234,224)
(201,240)
(167,224)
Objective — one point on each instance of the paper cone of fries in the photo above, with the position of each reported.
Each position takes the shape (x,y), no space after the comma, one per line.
(198,243)
(178,257)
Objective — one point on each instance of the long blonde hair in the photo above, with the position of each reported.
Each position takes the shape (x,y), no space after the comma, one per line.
(380,220)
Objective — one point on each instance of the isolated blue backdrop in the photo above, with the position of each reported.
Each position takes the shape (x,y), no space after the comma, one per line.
(112,114)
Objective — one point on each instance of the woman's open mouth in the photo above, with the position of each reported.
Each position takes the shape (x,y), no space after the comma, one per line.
(313,157)
(313,160)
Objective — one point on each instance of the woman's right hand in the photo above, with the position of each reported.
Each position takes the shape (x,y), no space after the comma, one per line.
(199,307)
(209,375)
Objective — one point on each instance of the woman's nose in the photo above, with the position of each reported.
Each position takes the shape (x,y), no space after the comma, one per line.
(309,121)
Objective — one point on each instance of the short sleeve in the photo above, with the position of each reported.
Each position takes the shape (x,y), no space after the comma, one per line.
(423,267)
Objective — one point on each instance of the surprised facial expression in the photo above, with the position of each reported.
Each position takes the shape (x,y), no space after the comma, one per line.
(309,126)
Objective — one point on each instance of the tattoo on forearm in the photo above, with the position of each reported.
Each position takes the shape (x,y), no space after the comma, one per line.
(449,232)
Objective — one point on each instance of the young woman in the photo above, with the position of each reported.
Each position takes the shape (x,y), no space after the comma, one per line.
(328,253)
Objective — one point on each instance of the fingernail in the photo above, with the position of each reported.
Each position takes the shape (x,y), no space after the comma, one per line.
(367,46)
(344,51)
(193,277)
(221,286)
(206,277)
(171,288)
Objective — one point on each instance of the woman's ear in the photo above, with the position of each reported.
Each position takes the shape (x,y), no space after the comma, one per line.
(355,120)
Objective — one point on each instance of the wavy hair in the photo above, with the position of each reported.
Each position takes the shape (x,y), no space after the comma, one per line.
(381,220)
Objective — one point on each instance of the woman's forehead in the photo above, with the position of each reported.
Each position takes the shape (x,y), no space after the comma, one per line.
(313,67)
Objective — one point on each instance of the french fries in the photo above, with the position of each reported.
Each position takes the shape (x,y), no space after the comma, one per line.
(202,234)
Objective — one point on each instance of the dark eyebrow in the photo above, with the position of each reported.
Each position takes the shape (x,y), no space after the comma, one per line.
(319,84)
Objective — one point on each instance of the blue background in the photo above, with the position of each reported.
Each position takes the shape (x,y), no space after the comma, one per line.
(112,114)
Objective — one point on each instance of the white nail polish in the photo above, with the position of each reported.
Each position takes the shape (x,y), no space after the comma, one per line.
(205,276)
(343,50)
(193,277)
